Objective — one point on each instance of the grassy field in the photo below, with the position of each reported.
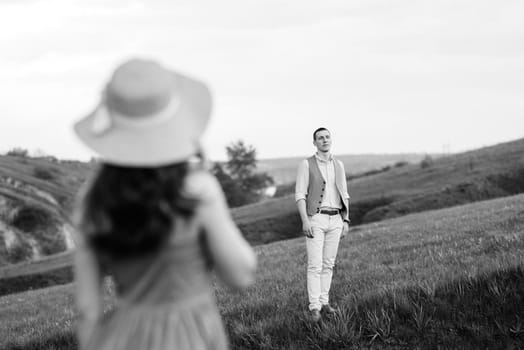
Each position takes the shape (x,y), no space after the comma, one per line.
(457,179)
(45,188)
(481,174)
(411,179)
(449,278)
(20,177)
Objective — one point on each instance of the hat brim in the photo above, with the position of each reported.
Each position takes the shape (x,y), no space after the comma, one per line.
(173,140)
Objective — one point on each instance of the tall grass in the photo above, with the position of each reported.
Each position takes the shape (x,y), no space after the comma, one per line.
(448,279)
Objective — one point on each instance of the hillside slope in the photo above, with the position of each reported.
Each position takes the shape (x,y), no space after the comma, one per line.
(449,278)
(43,190)
(283,170)
(36,196)
(485,173)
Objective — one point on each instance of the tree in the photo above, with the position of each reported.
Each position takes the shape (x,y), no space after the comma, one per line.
(238,177)
(18,152)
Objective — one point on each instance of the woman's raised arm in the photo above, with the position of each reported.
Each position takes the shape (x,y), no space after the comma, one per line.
(233,257)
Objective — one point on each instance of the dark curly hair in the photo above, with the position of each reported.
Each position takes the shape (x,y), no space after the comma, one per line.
(129,212)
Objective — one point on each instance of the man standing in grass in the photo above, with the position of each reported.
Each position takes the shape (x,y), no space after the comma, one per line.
(323,203)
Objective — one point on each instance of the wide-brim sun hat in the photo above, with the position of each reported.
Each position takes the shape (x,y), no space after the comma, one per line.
(148,116)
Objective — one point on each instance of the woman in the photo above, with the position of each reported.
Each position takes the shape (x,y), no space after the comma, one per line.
(152,219)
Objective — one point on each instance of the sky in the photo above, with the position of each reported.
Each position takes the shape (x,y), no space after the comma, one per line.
(384,76)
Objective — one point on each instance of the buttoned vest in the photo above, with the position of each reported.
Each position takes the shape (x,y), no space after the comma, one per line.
(317,187)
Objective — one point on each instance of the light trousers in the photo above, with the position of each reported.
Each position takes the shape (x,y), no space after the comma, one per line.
(321,254)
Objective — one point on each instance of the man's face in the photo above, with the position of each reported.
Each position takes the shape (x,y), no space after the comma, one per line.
(322,141)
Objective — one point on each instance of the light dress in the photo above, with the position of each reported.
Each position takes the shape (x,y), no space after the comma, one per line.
(168,304)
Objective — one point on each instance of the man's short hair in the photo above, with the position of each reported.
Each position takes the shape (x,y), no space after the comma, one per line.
(319,129)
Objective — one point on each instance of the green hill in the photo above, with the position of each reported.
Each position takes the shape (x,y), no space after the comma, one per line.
(36,196)
(485,173)
(283,170)
(450,278)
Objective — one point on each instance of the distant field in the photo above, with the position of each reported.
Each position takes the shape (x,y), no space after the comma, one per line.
(284,170)
(450,279)
(485,173)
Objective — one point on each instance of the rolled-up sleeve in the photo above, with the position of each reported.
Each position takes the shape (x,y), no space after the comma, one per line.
(302,181)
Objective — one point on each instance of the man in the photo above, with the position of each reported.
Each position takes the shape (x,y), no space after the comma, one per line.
(323,203)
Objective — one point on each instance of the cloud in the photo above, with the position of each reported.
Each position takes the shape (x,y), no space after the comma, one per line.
(296,63)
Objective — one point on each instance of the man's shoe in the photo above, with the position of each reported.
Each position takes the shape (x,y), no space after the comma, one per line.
(328,309)
(314,315)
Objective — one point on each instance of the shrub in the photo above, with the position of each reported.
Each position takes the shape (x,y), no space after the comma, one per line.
(360,208)
(400,164)
(42,225)
(426,162)
(18,152)
(44,173)
(31,218)
(511,182)
(272,229)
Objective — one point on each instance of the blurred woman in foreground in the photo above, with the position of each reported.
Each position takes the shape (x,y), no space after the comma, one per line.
(152,219)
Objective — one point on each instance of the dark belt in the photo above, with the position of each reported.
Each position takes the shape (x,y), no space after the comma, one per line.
(329,211)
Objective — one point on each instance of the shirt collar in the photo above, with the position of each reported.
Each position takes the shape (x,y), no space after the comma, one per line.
(322,160)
